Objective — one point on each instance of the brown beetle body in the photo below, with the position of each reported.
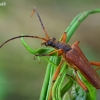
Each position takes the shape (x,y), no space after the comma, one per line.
(76,57)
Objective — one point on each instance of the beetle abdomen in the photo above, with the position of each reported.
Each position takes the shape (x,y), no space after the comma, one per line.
(77,58)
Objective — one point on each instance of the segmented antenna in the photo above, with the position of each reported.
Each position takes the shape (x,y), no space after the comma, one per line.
(40,21)
(21,37)
(47,36)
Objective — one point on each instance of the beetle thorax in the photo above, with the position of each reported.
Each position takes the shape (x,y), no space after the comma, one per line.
(58,45)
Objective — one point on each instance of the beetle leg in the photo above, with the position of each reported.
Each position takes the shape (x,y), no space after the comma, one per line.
(77,79)
(64,37)
(59,51)
(56,73)
(80,82)
(95,64)
(71,65)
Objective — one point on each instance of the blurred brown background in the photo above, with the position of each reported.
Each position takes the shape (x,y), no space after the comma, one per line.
(21,77)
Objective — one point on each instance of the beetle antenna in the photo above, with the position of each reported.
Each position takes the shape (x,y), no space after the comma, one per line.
(40,21)
(21,37)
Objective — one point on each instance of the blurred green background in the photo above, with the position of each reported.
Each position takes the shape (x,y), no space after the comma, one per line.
(21,76)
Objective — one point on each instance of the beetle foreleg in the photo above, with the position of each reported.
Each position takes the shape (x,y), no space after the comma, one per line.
(59,51)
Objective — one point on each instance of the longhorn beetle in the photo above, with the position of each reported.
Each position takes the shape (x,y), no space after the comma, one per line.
(70,54)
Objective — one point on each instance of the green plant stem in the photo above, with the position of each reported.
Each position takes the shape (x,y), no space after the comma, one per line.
(50,78)
(63,75)
(66,87)
(58,82)
(46,81)
(77,21)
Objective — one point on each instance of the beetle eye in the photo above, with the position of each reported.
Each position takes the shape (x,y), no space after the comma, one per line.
(49,43)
